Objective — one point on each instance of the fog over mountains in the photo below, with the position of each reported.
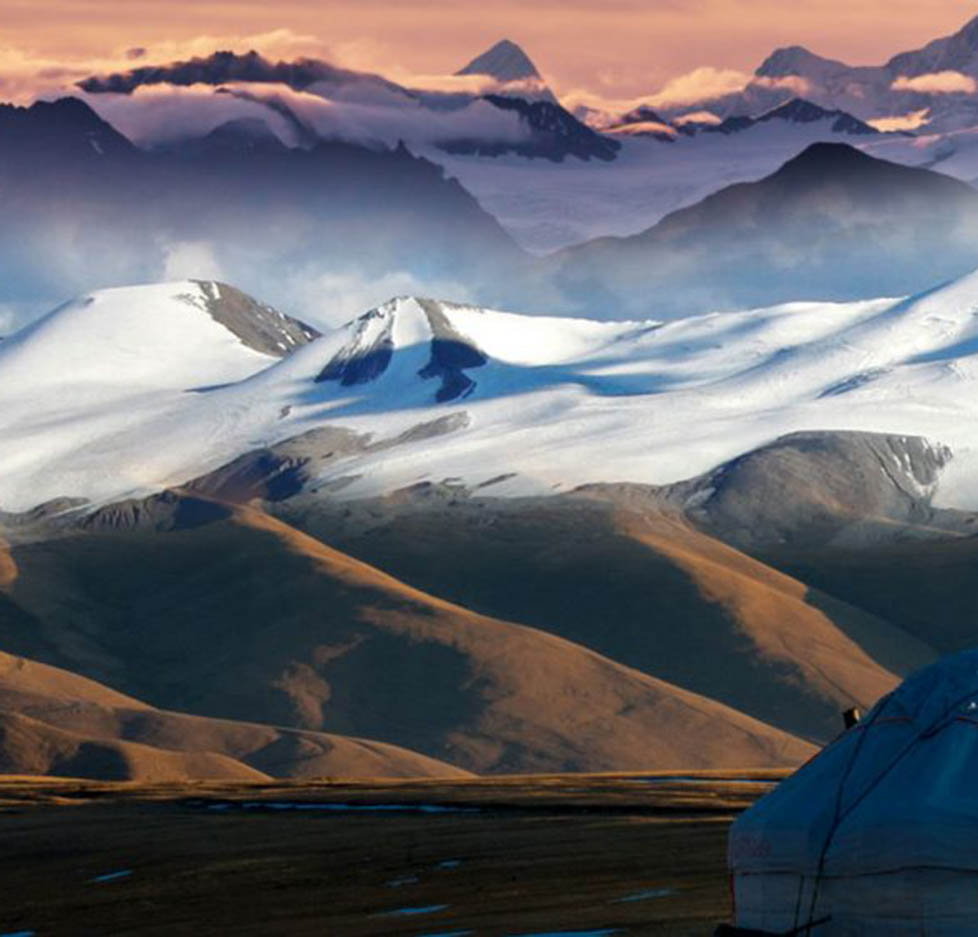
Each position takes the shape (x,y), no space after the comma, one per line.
(289,221)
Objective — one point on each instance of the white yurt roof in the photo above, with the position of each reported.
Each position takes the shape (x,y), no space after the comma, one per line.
(897,791)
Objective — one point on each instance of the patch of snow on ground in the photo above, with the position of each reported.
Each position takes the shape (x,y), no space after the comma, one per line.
(111,876)
(412,912)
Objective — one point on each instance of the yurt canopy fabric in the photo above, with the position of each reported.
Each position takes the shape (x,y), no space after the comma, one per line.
(881,826)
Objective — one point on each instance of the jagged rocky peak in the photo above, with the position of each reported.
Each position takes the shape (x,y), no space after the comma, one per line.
(796,60)
(505,61)
(801,111)
(259,326)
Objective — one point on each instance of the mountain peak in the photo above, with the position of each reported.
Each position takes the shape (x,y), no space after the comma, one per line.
(951,53)
(68,112)
(802,111)
(827,157)
(48,129)
(795,60)
(796,111)
(505,61)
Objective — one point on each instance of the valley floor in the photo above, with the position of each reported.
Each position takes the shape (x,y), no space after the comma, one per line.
(576,854)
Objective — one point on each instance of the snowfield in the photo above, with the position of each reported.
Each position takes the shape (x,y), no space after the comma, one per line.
(126,392)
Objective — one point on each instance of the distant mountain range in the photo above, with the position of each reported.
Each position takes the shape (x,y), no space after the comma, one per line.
(832,223)
(500,129)
(644,121)
(937,82)
(513,85)
(82,204)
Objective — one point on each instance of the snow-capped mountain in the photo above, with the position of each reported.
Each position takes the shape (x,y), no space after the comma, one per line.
(501,137)
(127,392)
(202,465)
(931,88)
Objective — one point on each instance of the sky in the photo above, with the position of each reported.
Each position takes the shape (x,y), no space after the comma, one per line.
(612,48)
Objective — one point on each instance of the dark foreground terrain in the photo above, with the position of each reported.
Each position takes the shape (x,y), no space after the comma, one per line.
(577,854)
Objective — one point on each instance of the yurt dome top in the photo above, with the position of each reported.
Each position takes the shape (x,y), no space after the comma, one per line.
(897,791)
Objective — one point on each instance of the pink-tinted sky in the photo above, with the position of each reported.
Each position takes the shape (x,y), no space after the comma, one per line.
(611,47)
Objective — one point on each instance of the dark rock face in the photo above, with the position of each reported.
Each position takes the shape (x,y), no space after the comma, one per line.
(165,511)
(552,133)
(65,133)
(365,359)
(815,488)
(259,326)
(278,472)
(796,111)
(223,67)
(360,361)
(643,114)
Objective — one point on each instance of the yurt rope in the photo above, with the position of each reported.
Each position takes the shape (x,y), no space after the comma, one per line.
(840,815)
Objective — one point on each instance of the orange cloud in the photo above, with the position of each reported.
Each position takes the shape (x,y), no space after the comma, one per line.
(701,84)
(26,75)
(793,83)
(698,117)
(912,121)
(947,82)
(624,48)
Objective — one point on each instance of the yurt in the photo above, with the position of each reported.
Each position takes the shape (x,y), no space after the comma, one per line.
(877,834)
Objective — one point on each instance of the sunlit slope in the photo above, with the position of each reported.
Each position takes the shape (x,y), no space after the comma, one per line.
(247,618)
(55,722)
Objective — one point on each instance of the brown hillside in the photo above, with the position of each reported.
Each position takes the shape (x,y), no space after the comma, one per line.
(247,618)
(55,722)
(622,574)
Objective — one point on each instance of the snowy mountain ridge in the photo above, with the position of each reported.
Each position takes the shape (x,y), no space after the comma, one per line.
(127,392)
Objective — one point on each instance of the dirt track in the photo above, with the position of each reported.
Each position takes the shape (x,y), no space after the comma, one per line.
(498,857)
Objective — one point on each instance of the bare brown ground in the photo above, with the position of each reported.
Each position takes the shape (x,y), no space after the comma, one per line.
(523,855)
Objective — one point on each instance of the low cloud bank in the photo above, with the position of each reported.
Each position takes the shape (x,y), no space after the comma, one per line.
(912,121)
(159,114)
(947,82)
